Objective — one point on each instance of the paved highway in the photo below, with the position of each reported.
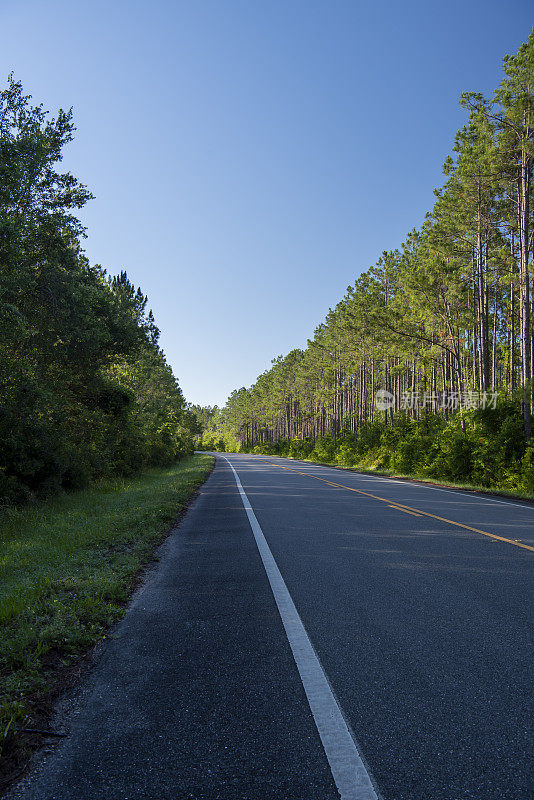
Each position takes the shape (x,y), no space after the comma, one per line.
(311,633)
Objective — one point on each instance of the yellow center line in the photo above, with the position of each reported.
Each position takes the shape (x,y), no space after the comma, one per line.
(417,512)
(399,508)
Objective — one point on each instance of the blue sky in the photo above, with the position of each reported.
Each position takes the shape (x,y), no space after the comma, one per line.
(249,159)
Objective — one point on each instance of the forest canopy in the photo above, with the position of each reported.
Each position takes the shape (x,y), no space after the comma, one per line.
(85,390)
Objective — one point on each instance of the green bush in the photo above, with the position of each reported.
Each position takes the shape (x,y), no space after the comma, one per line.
(486,447)
(526,470)
(324,449)
(300,448)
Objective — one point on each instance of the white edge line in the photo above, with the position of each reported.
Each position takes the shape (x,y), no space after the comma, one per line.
(348,770)
(462,492)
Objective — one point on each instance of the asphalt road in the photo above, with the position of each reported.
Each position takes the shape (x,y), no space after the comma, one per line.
(419,618)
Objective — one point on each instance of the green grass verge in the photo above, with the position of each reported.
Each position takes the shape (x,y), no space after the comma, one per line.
(67,568)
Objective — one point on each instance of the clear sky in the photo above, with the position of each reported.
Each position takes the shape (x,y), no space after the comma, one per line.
(250,158)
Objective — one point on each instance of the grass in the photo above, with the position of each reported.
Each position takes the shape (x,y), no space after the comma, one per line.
(67,568)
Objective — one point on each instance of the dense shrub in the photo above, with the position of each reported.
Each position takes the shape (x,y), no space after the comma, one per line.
(486,448)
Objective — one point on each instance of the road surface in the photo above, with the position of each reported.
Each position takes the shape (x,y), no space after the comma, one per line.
(310,633)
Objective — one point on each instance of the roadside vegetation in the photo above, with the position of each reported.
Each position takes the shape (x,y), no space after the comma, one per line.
(85,390)
(68,567)
(96,438)
(425,366)
(489,452)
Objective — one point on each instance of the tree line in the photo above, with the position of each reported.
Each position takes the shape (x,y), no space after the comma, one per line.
(85,390)
(437,335)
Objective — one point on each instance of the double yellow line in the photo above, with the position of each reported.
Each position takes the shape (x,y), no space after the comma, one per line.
(416,512)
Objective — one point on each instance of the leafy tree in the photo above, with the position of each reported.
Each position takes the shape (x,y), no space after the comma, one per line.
(84,388)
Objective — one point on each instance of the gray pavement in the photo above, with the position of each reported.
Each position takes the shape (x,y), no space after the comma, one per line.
(423,628)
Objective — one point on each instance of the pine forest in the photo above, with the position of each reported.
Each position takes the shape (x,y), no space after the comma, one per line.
(425,365)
